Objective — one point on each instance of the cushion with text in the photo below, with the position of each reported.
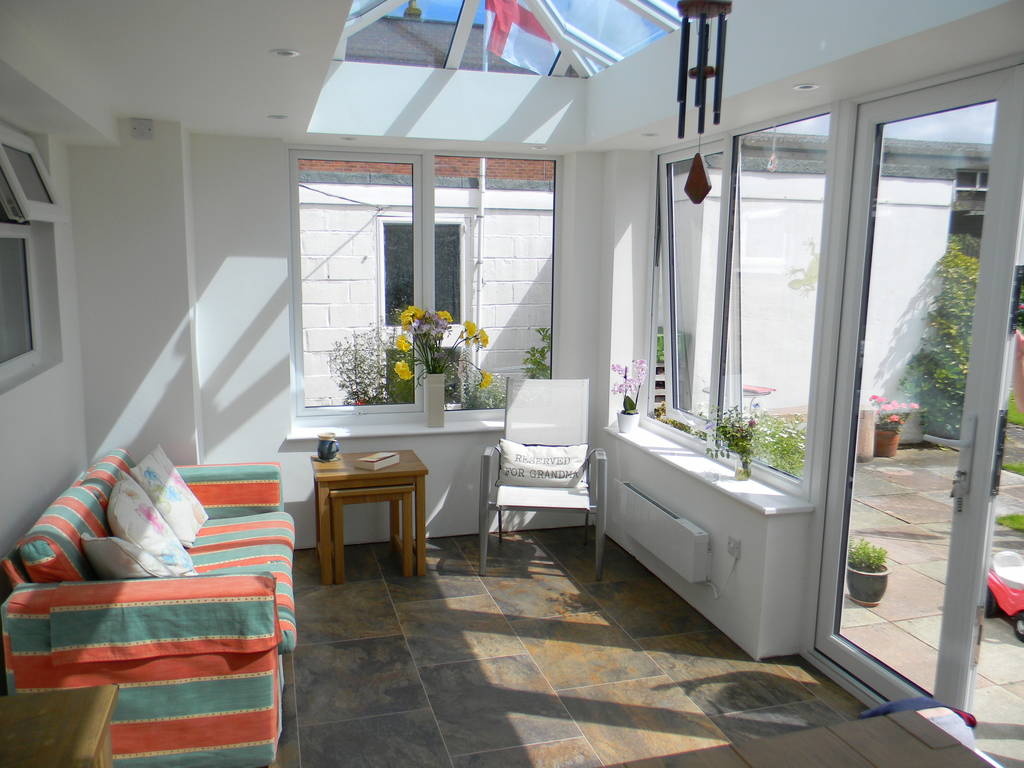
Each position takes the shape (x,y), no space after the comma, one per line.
(547,466)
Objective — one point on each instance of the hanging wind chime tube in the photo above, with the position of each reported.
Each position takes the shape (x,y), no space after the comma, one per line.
(697,185)
(701,11)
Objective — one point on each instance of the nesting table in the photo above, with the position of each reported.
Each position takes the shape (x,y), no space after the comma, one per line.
(340,483)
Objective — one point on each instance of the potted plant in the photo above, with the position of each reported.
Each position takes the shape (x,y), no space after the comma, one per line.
(867,575)
(890,416)
(423,335)
(733,432)
(633,377)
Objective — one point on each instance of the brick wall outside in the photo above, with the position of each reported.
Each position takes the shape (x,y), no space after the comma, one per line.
(468,167)
(341,253)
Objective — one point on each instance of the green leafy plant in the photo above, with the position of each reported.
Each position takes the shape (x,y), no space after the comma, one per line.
(867,557)
(537,361)
(1013,522)
(781,442)
(363,368)
(731,430)
(468,391)
(937,373)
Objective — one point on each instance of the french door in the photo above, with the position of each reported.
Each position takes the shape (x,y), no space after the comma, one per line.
(934,236)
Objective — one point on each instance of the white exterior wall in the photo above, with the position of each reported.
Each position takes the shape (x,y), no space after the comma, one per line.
(506,290)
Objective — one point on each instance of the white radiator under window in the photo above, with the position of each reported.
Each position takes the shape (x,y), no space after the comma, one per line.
(680,544)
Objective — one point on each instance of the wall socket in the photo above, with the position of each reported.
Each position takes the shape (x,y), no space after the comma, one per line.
(734,548)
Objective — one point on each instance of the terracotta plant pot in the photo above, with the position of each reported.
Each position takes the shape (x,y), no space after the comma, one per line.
(866,588)
(887,441)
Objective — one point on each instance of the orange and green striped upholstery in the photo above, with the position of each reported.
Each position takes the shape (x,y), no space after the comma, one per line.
(229,490)
(52,549)
(196,660)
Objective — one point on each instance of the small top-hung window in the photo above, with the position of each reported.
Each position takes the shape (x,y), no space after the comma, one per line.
(26,193)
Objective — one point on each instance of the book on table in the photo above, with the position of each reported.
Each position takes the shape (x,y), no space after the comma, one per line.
(377,460)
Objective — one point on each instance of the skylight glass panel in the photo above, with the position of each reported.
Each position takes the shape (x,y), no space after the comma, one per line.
(359,7)
(414,35)
(608,22)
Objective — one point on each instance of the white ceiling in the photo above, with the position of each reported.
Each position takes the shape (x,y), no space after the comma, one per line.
(204,63)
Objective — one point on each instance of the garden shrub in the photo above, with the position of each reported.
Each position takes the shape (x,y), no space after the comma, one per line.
(937,373)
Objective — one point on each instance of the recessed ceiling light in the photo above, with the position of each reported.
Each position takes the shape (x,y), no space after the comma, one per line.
(277,117)
(284,53)
(539,147)
(347,138)
(648,134)
(806,87)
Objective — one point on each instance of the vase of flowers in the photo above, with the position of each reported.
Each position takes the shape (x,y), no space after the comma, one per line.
(732,433)
(890,416)
(423,334)
(632,378)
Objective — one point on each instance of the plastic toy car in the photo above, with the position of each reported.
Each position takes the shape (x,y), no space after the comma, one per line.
(1006,589)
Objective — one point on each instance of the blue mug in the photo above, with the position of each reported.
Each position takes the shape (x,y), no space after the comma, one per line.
(328,447)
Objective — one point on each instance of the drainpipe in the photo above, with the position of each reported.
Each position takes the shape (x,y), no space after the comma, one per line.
(478,261)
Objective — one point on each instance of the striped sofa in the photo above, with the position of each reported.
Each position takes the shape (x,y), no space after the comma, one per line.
(197,659)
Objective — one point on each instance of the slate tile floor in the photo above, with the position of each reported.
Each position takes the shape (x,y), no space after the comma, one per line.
(533,665)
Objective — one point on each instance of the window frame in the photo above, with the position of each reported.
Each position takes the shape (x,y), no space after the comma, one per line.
(423,211)
(33,210)
(726,142)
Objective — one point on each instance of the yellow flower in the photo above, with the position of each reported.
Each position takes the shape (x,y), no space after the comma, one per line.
(407,317)
(418,313)
(403,344)
(483,337)
(470,329)
(445,315)
(485,379)
(402,369)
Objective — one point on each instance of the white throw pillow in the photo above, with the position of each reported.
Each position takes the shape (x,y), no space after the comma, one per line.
(171,495)
(114,558)
(133,517)
(549,466)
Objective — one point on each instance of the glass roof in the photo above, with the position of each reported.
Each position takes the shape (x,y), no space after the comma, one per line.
(574,38)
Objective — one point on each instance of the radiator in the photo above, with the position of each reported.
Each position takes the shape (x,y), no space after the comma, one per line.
(682,545)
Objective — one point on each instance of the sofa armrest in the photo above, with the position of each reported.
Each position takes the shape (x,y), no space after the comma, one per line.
(109,621)
(232,490)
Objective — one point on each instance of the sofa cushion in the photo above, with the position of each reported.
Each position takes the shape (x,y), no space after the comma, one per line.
(171,496)
(133,517)
(104,474)
(52,549)
(261,543)
(114,558)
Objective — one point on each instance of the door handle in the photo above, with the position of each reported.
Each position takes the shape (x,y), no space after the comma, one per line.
(966,440)
(962,478)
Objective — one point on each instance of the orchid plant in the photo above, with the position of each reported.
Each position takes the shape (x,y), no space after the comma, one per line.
(891,415)
(633,377)
(424,332)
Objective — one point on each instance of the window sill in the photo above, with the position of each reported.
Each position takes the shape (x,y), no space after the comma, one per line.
(453,426)
(751,493)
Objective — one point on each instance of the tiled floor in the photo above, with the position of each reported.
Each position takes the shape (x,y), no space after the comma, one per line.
(534,665)
(903,504)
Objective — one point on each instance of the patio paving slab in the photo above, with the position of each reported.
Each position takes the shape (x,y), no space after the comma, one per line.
(1002,655)
(933,569)
(873,483)
(907,544)
(918,478)
(911,507)
(999,731)
(900,650)
(927,629)
(910,596)
(864,518)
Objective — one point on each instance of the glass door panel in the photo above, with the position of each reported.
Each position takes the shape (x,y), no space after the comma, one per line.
(928,199)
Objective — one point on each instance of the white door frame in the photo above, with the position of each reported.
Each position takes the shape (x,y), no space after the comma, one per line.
(986,386)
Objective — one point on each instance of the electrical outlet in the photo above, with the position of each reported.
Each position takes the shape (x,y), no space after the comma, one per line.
(734,547)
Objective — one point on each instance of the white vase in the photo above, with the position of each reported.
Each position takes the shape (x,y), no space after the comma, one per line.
(627,422)
(433,390)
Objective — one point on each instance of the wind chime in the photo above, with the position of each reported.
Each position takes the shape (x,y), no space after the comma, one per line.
(706,12)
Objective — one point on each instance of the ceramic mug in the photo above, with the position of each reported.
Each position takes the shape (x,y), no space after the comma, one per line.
(327,449)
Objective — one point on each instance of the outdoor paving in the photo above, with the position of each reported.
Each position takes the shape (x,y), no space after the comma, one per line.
(903,504)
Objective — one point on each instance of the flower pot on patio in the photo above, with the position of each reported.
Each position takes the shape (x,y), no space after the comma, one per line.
(866,588)
(887,441)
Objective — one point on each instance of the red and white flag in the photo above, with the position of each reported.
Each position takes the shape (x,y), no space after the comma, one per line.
(513,33)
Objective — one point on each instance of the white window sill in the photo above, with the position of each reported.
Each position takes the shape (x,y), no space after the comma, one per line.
(452,426)
(756,495)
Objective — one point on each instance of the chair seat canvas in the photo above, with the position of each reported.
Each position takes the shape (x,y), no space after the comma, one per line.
(577,497)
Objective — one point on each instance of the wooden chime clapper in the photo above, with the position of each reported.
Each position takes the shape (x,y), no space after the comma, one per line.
(697,185)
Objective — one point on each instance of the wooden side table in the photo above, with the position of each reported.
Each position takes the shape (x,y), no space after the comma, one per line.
(69,728)
(340,482)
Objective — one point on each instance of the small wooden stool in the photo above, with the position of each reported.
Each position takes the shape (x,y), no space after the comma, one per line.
(399,496)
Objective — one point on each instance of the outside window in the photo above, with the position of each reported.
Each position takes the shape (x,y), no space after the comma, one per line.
(361,264)
(15,319)
(735,329)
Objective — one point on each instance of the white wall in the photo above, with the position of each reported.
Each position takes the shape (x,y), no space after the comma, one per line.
(130,233)
(42,440)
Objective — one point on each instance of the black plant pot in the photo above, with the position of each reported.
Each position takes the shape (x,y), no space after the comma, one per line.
(866,588)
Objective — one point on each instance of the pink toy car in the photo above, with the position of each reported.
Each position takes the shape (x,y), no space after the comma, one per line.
(1006,589)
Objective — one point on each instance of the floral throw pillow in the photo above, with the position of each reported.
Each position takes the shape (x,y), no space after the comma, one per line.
(133,517)
(171,495)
